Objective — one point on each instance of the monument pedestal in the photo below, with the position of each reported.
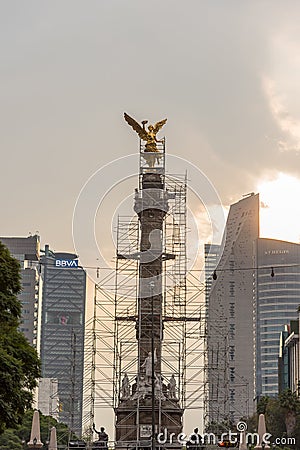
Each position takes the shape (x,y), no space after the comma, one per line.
(134,423)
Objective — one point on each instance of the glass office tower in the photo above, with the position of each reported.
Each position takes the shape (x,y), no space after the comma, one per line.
(62,338)
(276,299)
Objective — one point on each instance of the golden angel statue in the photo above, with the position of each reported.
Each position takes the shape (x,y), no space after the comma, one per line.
(147,135)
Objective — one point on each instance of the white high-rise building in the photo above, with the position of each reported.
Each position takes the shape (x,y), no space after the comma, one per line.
(212,254)
(48,399)
(230,317)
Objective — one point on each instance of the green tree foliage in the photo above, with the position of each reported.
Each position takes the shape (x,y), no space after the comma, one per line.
(275,410)
(19,362)
(274,418)
(262,405)
(9,440)
(290,405)
(289,401)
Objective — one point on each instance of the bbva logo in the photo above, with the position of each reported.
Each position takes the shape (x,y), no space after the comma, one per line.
(66,263)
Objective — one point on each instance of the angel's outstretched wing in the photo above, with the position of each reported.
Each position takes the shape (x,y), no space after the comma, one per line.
(137,127)
(159,125)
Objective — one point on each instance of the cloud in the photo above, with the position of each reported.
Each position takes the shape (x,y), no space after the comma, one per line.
(64,93)
(288,124)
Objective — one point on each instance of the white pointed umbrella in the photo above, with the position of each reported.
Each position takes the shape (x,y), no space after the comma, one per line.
(53,441)
(261,432)
(35,436)
(243,443)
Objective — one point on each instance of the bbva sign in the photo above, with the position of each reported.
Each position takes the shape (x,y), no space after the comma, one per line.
(66,263)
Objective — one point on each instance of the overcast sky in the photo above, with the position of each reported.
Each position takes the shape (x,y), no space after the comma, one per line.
(224,73)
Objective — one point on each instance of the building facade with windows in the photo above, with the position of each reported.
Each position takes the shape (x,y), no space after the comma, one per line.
(48,400)
(62,337)
(230,317)
(291,365)
(27,251)
(276,299)
(212,253)
(283,361)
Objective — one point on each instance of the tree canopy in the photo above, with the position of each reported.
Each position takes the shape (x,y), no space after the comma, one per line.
(276,410)
(19,362)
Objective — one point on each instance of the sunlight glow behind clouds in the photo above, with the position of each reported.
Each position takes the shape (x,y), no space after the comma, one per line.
(280,208)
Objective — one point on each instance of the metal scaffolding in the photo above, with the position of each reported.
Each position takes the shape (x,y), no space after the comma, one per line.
(111,336)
